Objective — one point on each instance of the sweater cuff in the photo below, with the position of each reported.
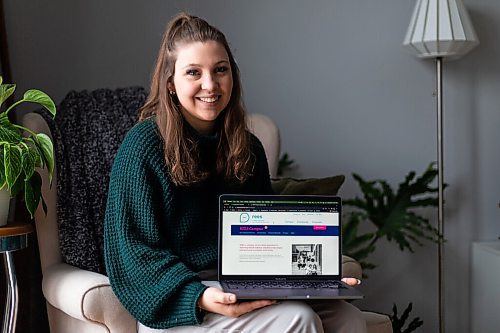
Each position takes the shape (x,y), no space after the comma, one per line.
(186,311)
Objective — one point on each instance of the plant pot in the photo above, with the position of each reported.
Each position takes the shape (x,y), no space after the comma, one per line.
(4,206)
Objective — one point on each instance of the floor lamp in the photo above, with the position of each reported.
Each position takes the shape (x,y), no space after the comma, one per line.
(440,29)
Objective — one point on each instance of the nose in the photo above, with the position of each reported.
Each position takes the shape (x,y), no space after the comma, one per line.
(209,82)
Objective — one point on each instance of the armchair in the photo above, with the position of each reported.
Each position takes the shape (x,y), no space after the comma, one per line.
(81,300)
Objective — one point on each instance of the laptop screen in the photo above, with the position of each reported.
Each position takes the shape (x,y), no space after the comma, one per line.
(274,235)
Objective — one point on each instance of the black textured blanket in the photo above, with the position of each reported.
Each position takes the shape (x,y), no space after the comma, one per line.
(87,132)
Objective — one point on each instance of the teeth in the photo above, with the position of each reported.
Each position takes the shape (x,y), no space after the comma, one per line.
(208,99)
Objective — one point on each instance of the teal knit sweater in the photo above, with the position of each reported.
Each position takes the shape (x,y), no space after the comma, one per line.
(158,235)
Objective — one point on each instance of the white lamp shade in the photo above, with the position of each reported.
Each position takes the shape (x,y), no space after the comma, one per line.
(440,28)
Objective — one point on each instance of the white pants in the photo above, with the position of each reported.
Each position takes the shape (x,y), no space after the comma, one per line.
(322,316)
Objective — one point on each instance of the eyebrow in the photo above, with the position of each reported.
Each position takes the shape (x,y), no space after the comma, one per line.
(197,65)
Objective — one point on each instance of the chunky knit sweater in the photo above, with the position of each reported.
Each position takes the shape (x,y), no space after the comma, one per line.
(158,235)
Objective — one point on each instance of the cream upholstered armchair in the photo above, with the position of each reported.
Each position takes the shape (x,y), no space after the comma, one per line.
(80,300)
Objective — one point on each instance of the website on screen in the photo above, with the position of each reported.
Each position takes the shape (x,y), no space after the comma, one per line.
(269,238)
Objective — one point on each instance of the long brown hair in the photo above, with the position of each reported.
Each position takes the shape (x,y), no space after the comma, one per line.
(234,157)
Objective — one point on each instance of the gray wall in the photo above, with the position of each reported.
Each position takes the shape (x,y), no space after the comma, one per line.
(345,93)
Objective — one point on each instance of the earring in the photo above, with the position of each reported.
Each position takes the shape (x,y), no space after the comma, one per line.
(171,92)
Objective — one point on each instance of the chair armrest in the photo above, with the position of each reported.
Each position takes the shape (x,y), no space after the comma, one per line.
(86,296)
(46,228)
(266,130)
(351,268)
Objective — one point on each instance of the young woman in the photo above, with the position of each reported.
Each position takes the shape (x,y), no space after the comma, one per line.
(190,146)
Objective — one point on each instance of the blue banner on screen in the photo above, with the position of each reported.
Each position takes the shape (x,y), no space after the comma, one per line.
(284,230)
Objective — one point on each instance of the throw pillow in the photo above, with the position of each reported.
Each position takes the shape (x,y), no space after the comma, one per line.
(318,186)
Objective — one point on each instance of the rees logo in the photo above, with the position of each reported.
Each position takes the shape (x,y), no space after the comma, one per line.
(244,217)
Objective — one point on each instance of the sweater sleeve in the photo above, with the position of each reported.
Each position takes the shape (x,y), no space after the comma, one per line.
(150,281)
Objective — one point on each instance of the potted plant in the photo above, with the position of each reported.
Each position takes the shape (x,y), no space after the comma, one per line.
(21,152)
(394,214)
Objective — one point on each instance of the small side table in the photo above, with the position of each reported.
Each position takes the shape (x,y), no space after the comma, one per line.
(485,294)
(13,237)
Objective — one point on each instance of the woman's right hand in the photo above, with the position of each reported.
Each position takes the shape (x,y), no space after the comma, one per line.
(216,301)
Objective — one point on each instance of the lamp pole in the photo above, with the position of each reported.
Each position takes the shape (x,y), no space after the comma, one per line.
(439,96)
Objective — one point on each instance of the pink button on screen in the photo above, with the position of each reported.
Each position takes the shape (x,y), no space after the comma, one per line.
(319,227)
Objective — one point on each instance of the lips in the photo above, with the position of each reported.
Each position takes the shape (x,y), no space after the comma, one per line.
(210,99)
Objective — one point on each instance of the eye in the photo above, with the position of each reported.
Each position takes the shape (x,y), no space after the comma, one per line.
(221,69)
(192,72)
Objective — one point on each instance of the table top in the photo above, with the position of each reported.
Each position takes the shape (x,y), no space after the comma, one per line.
(16,229)
(491,247)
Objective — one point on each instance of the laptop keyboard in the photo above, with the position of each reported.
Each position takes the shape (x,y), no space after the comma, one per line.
(238,284)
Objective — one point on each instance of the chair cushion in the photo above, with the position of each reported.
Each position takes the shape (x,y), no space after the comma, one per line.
(318,186)
(377,323)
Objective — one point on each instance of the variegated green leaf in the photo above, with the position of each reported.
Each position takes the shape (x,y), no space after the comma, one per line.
(44,144)
(13,163)
(11,135)
(39,97)
(31,141)
(32,193)
(30,159)
(8,132)
(2,168)
(6,90)
(17,187)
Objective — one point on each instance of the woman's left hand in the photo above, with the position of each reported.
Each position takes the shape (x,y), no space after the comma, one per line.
(352,281)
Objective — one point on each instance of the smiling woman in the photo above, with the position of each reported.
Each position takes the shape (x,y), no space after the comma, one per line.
(161,226)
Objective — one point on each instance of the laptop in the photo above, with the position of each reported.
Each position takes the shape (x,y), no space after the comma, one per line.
(281,247)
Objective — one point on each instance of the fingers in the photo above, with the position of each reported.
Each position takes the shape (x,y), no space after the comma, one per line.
(227,298)
(219,296)
(240,309)
(264,303)
(352,281)
(216,301)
